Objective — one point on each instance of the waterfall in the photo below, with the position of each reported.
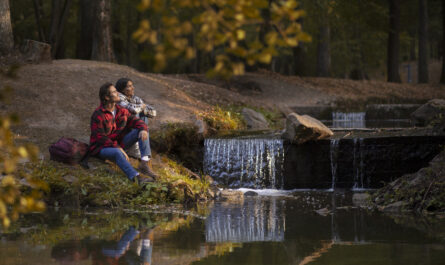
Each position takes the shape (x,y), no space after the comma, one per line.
(254,220)
(249,163)
(358,165)
(348,120)
(334,157)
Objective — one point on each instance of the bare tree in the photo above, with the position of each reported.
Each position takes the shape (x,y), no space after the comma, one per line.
(393,41)
(6,37)
(423,42)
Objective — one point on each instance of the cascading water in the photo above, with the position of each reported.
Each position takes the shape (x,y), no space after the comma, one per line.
(249,163)
(334,156)
(358,164)
(348,120)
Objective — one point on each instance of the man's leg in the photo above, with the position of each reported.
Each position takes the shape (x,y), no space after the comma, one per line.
(116,155)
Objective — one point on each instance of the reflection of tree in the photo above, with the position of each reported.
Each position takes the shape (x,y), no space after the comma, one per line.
(325,246)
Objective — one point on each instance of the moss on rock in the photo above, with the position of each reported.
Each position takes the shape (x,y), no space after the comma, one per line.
(423,191)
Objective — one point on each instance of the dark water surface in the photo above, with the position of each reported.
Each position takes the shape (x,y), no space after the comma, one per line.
(255,230)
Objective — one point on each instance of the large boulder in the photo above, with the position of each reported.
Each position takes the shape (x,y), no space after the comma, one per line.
(433,110)
(254,120)
(303,128)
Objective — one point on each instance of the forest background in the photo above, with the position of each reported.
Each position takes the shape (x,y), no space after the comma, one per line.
(363,39)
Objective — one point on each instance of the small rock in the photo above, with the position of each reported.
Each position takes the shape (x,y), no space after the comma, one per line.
(232,195)
(254,120)
(360,199)
(393,207)
(36,52)
(428,112)
(250,193)
(323,211)
(201,126)
(70,178)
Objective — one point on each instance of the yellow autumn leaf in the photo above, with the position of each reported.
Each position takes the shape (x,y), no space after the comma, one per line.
(144,5)
(2,209)
(265,57)
(8,181)
(22,151)
(6,222)
(292,42)
(239,17)
(240,34)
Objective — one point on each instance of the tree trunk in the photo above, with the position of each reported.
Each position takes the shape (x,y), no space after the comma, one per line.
(323,50)
(86,21)
(423,42)
(393,41)
(102,49)
(442,78)
(59,16)
(6,37)
(299,53)
(38,12)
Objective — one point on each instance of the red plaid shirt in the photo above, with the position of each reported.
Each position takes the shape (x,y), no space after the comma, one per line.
(108,130)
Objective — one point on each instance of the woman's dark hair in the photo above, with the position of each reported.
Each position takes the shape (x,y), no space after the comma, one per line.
(104,91)
(121,84)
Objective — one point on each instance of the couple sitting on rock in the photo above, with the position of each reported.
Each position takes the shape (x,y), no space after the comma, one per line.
(120,122)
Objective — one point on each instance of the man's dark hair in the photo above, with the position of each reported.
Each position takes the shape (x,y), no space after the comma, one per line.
(121,84)
(104,91)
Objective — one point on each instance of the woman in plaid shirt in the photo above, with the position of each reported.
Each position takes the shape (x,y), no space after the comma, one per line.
(133,103)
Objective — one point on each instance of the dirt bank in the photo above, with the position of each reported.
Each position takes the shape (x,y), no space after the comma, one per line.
(57,99)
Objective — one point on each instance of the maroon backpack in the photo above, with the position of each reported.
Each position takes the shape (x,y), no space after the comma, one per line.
(68,150)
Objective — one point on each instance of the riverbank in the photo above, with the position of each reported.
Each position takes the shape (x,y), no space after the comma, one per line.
(57,99)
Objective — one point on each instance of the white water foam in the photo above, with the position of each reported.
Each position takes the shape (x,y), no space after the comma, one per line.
(255,163)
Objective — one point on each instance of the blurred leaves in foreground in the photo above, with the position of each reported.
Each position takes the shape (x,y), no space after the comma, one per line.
(234,32)
(19,191)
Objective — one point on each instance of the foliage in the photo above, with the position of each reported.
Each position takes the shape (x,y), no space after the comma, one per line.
(234,31)
(420,191)
(273,116)
(107,185)
(180,141)
(15,198)
(220,119)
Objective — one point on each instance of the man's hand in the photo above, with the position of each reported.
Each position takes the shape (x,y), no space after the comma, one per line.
(125,154)
(143,135)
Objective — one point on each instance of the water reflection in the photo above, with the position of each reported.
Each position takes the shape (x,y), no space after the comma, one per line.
(254,230)
(133,247)
(254,220)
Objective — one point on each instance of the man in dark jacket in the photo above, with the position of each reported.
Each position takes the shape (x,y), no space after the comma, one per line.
(114,128)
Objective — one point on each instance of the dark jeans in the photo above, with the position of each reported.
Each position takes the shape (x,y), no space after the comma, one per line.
(115,155)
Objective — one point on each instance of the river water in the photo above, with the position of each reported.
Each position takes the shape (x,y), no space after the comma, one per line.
(251,230)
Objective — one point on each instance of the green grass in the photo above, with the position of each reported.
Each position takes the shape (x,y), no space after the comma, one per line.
(108,186)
